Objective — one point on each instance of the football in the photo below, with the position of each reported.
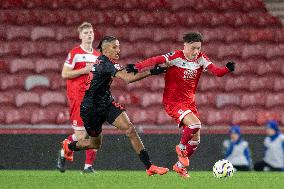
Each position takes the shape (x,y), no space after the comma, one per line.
(223,168)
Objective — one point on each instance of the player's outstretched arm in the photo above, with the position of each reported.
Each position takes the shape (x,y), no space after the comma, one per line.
(69,73)
(221,71)
(145,63)
(132,77)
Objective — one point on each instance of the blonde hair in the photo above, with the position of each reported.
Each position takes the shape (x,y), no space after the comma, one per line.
(84,25)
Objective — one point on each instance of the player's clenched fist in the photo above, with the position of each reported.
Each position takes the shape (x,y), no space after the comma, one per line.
(130,68)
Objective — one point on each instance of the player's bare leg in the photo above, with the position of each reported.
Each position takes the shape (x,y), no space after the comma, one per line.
(191,126)
(123,123)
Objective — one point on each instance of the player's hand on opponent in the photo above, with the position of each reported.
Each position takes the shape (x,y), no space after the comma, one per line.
(88,68)
(130,68)
(231,66)
(158,70)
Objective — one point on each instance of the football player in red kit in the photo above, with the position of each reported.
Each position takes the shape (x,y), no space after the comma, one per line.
(181,79)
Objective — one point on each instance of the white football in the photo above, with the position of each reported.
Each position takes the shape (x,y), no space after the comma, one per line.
(223,168)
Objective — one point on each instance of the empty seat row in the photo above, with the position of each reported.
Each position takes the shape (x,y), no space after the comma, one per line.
(144,49)
(155,34)
(139,18)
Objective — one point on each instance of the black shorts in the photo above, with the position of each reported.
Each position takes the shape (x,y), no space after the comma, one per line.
(93,120)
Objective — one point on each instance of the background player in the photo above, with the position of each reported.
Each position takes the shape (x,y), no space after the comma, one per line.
(76,68)
(237,150)
(181,79)
(98,105)
(273,159)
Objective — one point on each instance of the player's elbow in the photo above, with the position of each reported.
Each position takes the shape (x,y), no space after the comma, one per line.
(64,75)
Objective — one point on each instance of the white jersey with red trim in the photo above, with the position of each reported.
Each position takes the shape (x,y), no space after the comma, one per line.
(182,77)
(77,59)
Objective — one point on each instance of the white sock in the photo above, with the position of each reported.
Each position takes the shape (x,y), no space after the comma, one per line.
(87,166)
(181,146)
(180,165)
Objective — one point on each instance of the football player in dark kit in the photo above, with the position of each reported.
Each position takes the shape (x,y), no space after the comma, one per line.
(98,105)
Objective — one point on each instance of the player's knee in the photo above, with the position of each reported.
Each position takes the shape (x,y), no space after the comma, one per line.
(130,131)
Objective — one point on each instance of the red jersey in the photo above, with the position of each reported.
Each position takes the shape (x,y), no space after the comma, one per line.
(182,77)
(77,59)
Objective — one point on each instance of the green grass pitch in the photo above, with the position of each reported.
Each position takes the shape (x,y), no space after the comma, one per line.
(10,179)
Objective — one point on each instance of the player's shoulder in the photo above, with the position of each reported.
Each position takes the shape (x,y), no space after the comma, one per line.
(96,53)
(202,55)
(75,50)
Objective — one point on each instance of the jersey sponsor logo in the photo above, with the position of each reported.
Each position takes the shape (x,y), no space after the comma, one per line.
(117,66)
(189,74)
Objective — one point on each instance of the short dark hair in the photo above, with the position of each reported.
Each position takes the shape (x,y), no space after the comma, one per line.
(105,39)
(192,37)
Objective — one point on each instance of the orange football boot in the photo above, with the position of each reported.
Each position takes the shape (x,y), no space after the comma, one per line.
(156,170)
(68,154)
(181,171)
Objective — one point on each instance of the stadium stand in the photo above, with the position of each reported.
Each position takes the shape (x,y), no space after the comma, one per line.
(37,34)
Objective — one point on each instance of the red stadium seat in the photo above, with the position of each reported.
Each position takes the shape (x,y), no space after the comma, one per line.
(164,119)
(8,81)
(278,84)
(263,116)
(7,98)
(205,99)
(274,51)
(227,99)
(18,116)
(211,83)
(250,66)
(39,33)
(258,51)
(21,65)
(143,116)
(230,51)
(274,100)
(271,67)
(244,117)
(10,48)
(46,65)
(2,117)
(237,83)
(56,115)
(49,98)
(33,48)
(216,117)
(66,33)
(18,32)
(151,98)
(252,100)
(262,83)
(56,81)
(27,98)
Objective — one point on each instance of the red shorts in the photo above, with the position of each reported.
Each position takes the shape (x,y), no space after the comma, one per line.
(179,110)
(75,117)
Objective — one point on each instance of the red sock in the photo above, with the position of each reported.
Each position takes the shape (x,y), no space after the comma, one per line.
(70,138)
(187,134)
(90,156)
(191,147)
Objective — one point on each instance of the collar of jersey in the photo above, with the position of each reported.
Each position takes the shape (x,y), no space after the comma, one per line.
(86,50)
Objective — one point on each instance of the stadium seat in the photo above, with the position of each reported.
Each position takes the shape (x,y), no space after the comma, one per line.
(140,116)
(269,67)
(250,66)
(56,81)
(263,116)
(18,32)
(36,81)
(240,83)
(2,117)
(151,98)
(274,100)
(245,117)
(211,83)
(252,100)
(34,48)
(27,98)
(21,65)
(278,84)
(7,98)
(227,99)
(66,33)
(10,48)
(8,81)
(262,83)
(42,33)
(205,99)
(274,51)
(164,119)
(46,65)
(216,117)
(18,116)
(49,116)
(49,98)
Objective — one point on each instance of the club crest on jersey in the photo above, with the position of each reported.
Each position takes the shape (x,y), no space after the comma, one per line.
(189,74)
(180,111)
